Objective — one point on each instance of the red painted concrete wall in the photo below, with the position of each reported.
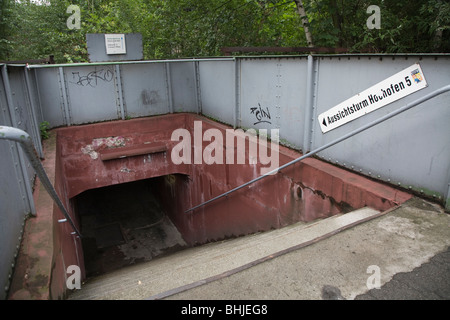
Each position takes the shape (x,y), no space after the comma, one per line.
(82,173)
(67,248)
(303,192)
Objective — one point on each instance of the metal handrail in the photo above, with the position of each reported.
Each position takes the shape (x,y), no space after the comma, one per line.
(344,137)
(24,139)
(81,64)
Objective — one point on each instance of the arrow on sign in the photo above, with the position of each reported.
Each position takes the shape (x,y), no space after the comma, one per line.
(324,122)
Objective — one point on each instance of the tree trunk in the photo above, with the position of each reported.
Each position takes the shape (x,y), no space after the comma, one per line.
(437,39)
(337,19)
(301,11)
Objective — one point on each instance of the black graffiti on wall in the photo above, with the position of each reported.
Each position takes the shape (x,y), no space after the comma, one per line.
(262,115)
(92,78)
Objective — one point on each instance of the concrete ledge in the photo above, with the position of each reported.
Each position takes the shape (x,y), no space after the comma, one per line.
(135,150)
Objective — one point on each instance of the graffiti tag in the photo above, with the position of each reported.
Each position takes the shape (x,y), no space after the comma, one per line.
(92,78)
(261,114)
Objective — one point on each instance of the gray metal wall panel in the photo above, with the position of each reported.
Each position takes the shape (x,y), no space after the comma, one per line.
(292,101)
(145,89)
(182,80)
(273,95)
(36,96)
(24,116)
(279,88)
(12,214)
(13,206)
(413,148)
(17,114)
(217,88)
(20,98)
(259,91)
(91,93)
(51,104)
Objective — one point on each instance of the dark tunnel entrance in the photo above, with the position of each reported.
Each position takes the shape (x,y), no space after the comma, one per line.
(125,224)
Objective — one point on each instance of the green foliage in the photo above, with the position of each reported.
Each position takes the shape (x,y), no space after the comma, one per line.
(43,128)
(5,28)
(406,26)
(186,28)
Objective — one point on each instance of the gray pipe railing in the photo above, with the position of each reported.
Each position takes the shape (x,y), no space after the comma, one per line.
(82,64)
(24,139)
(332,143)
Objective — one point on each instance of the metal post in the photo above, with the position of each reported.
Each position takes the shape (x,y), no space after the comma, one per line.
(332,143)
(310,87)
(447,201)
(119,91)
(237,93)
(62,84)
(33,117)
(24,139)
(197,87)
(169,87)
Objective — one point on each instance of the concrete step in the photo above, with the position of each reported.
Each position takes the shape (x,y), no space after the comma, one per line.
(192,267)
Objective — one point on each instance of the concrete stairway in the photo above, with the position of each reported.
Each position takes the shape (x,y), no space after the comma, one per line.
(192,267)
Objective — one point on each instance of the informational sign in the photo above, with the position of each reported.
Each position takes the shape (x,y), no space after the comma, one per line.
(392,89)
(115,44)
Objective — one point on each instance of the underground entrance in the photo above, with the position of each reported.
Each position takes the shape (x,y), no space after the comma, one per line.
(125,224)
(132,202)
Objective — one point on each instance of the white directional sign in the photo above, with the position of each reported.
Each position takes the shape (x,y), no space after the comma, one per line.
(115,44)
(393,88)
